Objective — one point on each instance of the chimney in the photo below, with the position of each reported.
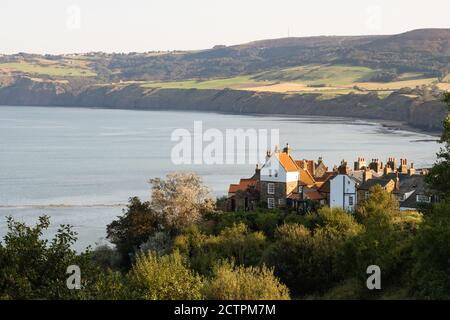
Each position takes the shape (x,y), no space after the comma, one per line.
(376,165)
(392,163)
(397,182)
(367,174)
(257,172)
(412,170)
(387,169)
(287,149)
(344,168)
(403,166)
(360,164)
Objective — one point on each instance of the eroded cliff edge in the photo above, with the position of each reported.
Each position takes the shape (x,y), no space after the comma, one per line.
(396,107)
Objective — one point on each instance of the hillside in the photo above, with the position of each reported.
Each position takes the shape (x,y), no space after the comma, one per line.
(333,69)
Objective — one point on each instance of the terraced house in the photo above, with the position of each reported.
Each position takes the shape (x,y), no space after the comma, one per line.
(303,185)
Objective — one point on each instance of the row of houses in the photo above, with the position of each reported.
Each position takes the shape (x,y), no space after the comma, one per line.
(305,185)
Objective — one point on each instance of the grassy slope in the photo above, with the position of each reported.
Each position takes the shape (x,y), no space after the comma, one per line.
(326,79)
(49,68)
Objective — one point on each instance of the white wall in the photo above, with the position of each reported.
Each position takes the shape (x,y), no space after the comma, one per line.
(342,188)
(274,165)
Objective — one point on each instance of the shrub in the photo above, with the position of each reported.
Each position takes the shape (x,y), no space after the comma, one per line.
(241,283)
(163,278)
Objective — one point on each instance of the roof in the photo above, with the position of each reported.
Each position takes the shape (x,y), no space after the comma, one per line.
(305,177)
(307,195)
(373,182)
(409,183)
(312,195)
(243,185)
(308,165)
(287,162)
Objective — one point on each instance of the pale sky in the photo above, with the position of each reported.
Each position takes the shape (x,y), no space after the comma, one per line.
(67,26)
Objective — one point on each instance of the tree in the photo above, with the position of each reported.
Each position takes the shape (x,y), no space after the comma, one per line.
(35,268)
(241,283)
(129,231)
(166,277)
(386,241)
(431,272)
(181,198)
(380,204)
(306,259)
(236,243)
(439,176)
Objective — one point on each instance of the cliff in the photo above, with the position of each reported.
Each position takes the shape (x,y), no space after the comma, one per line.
(395,107)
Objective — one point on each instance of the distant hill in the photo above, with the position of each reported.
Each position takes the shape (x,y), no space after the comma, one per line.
(426,51)
(433,41)
(392,77)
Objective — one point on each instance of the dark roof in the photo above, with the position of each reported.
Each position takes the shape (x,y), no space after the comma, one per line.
(373,182)
(409,183)
(410,202)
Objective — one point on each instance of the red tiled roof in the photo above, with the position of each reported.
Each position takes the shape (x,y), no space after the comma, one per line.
(243,185)
(312,195)
(305,177)
(287,162)
(308,165)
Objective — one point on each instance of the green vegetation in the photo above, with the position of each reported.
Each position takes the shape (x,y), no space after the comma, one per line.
(315,75)
(235,83)
(58,70)
(439,175)
(238,255)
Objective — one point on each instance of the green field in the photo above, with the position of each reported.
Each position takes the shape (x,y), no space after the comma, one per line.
(330,80)
(328,75)
(56,70)
(234,83)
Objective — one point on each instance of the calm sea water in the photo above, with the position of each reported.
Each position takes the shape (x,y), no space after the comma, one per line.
(81,165)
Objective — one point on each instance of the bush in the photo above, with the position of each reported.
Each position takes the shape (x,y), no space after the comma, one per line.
(163,278)
(236,243)
(431,272)
(306,259)
(240,283)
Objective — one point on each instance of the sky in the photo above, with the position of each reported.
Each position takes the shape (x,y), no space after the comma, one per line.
(69,26)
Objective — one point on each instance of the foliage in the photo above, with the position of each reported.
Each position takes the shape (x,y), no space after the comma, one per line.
(241,283)
(237,243)
(305,259)
(259,220)
(163,278)
(385,241)
(181,199)
(431,273)
(439,176)
(133,228)
(35,268)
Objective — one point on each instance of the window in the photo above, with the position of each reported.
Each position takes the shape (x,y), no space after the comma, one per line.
(271,188)
(300,189)
(421,198)
(270,203)
(280,202)
(350,201)
(276,173)
(366,195)
(270,172)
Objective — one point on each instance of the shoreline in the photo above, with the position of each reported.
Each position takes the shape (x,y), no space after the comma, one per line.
(392,125)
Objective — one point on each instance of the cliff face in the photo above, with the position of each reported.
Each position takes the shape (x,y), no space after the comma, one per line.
(427,116)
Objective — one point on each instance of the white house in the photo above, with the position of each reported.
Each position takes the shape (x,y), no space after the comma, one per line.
(278,178)
(343,192)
